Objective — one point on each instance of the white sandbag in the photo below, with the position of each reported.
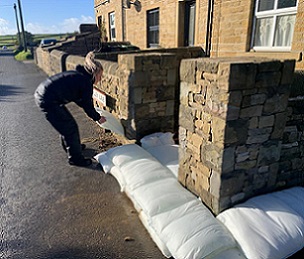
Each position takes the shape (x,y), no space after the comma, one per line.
(143,171)
(161,196)
(167,155)
(268,226)
(112,123)
(115,171)
(191,231)
(233,253)
(164,153)
(155,237)
(174,168)
(290,195)
(126,153)
(157,139)
(105,161)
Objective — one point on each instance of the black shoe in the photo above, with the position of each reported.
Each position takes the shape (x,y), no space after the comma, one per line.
(81,162)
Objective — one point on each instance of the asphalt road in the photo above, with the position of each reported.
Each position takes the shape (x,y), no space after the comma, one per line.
(49,209)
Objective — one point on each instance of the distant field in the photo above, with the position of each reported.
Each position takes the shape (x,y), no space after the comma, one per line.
(10,40)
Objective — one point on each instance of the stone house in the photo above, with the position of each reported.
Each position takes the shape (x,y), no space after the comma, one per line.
(221,27)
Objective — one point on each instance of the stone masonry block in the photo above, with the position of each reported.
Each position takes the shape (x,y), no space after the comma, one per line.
(172,76)
(207,65)
(288,72)
(237,76)
(130,62)
(232,184)
(266,121)
(279,125)
(170,107)
(139,79)
(269,66)
(215,184)
(218,126)
(251,111)
(186,118)
(235,98)
(276,104)
(268,79)
(270,153)
(228,160)
(168,61)
(188,70)
(137,95)
(254,99)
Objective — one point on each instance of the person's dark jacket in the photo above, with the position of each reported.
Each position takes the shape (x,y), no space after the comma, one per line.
(69,86)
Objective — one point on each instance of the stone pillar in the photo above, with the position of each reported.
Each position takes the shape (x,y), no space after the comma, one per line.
(151,81)
(232,118)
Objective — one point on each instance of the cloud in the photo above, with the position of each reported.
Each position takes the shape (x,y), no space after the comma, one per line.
(36,28)
(5,27)
(68,25)
(72,24)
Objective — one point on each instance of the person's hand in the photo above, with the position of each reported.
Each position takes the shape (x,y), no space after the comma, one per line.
(102,120)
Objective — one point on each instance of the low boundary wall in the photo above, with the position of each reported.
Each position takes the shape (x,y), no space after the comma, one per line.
(240,134)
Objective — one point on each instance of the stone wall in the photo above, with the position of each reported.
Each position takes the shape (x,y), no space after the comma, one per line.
(43,60)
(232,118)
(141,89)
(239,134)
(81,44)
(291,164)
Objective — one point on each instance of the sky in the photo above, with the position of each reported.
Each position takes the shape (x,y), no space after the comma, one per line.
(46,16)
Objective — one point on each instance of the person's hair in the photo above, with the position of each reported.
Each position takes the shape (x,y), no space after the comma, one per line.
(91,65)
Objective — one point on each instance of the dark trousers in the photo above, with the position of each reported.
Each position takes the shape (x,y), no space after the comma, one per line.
(62,120)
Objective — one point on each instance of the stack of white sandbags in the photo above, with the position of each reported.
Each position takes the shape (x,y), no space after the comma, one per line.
(270,225)
(163,148)
(177,221)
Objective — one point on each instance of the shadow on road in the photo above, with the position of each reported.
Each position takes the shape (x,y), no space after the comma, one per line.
(6,53)
(8,90)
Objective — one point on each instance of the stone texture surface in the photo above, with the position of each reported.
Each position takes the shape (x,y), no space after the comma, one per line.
(237,141)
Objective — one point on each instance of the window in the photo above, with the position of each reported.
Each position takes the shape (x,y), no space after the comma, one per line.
(189,23)
(153,28)
(112,26)
(274,24)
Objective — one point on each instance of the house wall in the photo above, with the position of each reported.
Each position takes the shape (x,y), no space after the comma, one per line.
(232,30)
(135,21)
(231,27)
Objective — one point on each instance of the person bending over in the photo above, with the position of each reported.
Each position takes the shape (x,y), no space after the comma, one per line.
(71,86)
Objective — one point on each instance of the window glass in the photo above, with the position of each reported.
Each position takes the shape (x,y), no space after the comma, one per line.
(112,26)
(263,32)
(153,28)
(265,5)
(286,3)
(274,24)
(284,30)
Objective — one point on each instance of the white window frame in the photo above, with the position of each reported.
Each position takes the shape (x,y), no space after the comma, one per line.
(275,13)
(112,26)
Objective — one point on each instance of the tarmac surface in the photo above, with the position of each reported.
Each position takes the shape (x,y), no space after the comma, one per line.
(49,209)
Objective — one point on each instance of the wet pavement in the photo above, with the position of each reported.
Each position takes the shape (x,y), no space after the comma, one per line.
(49,209)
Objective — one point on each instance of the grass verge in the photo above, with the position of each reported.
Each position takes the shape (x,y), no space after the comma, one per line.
(23,55)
